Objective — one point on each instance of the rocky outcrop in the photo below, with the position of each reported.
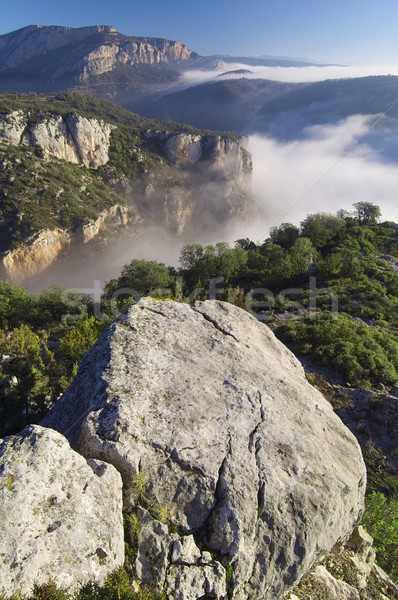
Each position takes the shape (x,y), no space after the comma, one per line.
(115,216)
(12,126)
(224,153)
(61,516)
(36,254)
(240,454)
(73,138)
(35,41)
(218,169)
(43,248)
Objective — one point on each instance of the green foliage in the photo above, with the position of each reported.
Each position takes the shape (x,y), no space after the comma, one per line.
(39,350)
(200,263)
(366,212)
(381,521)
(284,235)
(321,227)
(117,586)
(344,343)
(48,591)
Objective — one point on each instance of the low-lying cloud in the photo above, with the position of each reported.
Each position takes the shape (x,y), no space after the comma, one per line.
(286,74)
(333,167)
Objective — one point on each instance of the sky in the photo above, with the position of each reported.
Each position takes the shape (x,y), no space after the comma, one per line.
(342,31)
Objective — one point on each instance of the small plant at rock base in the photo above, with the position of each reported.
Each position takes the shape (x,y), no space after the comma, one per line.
(48,591)
(229,580)
(132,524)
(137,486)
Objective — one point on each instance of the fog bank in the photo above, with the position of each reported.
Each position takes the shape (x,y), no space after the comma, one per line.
(333,167)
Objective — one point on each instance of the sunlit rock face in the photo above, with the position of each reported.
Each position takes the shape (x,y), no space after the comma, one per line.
(40,250)
(73,138)
(255,472)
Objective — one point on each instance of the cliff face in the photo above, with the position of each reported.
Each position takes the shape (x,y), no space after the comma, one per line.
(184,150)
(73,138)
(42,249)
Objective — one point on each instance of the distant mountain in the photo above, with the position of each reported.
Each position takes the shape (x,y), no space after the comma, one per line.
(280,109)
(208,62)
(102,62)
(97,59)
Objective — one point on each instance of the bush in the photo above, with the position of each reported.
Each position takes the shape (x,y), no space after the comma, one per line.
(381,521)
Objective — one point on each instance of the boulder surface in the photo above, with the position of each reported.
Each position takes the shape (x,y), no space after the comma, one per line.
(61,517)
(231,444)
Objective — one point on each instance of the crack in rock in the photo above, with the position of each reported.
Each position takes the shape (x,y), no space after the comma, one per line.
(215,324)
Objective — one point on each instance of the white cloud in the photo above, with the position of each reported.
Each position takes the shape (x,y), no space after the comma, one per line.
(330,169)
(288,74)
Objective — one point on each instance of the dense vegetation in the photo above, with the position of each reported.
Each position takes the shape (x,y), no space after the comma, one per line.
(291,281)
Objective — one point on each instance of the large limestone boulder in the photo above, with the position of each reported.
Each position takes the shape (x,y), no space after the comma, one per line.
(60,516)
(236,448)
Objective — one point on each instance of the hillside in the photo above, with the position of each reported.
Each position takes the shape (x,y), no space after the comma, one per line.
(283,110)
(73,165)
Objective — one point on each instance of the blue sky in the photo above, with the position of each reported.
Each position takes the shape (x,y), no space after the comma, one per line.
(353,31)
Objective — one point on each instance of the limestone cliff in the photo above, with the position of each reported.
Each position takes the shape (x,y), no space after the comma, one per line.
(225,153)
(42,249)
(73,138)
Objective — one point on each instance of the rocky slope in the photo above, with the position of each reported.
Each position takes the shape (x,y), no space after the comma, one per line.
(73,166)
(238,470)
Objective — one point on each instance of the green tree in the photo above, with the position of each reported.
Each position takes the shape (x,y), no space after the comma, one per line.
(321,227)
(367,213)
(301,256)
(284,235)
(142,276)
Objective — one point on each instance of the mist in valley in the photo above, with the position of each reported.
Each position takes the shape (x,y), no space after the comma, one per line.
(328,169)
(305,160)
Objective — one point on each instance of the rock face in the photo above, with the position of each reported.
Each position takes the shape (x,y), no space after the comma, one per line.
(219,170)
(73,138)
(184,150)
(41,250)
(246,458)
(61,516)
